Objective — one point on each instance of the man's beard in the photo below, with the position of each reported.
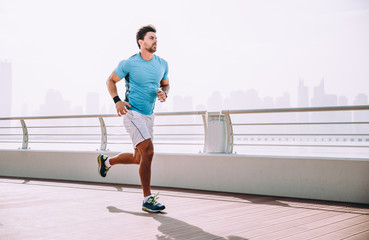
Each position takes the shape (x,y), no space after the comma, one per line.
(152,49)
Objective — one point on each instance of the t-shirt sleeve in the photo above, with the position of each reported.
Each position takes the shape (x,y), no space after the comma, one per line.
(122,69)
(165,76)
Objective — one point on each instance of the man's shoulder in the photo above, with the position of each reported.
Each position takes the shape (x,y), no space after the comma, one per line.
(133,57)
(126,62)
(160,60)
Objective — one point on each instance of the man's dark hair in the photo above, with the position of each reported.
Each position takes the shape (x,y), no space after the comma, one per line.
(142,32)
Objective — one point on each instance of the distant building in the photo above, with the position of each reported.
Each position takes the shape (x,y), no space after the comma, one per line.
(179,104)
(361,116)
(6,88)
(55,104)
(303,101)
(268,102)
(342,101)
(303,94)
(361,99)
(320,98)
(215,102)
(283,101)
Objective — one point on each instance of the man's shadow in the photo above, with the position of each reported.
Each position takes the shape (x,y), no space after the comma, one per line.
(174,229)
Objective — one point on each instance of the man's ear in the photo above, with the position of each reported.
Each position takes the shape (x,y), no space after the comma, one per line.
(140,42)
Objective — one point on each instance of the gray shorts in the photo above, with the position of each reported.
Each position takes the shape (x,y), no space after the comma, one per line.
(138,126)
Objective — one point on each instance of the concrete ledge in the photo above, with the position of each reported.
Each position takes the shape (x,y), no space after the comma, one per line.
(344,180)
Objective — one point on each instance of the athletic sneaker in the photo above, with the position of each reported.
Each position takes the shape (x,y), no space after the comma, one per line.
(103,170)
(152,205)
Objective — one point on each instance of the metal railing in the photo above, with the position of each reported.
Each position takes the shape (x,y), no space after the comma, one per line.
(104,135)
(279,127)
(306,138)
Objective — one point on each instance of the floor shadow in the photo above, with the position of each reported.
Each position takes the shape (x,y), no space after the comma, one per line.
(174,229)
(265,200)
(119,189)
(234,197)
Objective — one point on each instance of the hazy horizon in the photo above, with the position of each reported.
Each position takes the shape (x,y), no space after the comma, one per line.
(72,47)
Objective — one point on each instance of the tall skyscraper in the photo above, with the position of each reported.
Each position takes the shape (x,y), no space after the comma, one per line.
(303,94)
(303,101)
(5,88)
(320,98)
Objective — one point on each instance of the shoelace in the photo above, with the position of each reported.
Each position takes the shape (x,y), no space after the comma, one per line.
(153,199)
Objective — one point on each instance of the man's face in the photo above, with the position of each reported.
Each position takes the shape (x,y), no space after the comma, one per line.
(149,42)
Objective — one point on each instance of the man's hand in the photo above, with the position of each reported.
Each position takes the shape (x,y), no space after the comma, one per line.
(122,108)
(161,95)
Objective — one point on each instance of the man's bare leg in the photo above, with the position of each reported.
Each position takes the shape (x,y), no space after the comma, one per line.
(143,155)
(126,158)
(146,150)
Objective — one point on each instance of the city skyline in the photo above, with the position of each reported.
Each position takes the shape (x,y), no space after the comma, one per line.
(240,99)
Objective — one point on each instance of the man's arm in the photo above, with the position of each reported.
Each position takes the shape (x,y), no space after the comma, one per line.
(112,88)
(163,94)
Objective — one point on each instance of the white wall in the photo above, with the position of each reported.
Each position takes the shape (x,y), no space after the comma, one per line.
(313,178)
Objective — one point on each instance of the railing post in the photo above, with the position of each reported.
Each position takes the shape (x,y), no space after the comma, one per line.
(25,134)
(229,132)
(104,135)
(205,121)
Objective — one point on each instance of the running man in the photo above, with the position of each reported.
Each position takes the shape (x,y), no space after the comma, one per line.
(146,78)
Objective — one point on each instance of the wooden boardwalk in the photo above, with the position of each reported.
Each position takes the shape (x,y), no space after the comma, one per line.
(40,209)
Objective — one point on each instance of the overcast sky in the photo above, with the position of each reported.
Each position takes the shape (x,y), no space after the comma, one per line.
(72,46)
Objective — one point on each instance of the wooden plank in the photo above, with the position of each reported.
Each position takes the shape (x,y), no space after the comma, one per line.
(286,225)
(325,227)
(346,232)
(359,236)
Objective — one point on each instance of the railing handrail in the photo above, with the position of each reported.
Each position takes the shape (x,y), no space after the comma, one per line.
(299,109)
(268,110)
(100,115)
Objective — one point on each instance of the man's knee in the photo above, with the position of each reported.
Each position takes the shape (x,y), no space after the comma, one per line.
(149,151)
(146,148)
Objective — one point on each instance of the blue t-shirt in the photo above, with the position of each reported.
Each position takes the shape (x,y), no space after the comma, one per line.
(142,81)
